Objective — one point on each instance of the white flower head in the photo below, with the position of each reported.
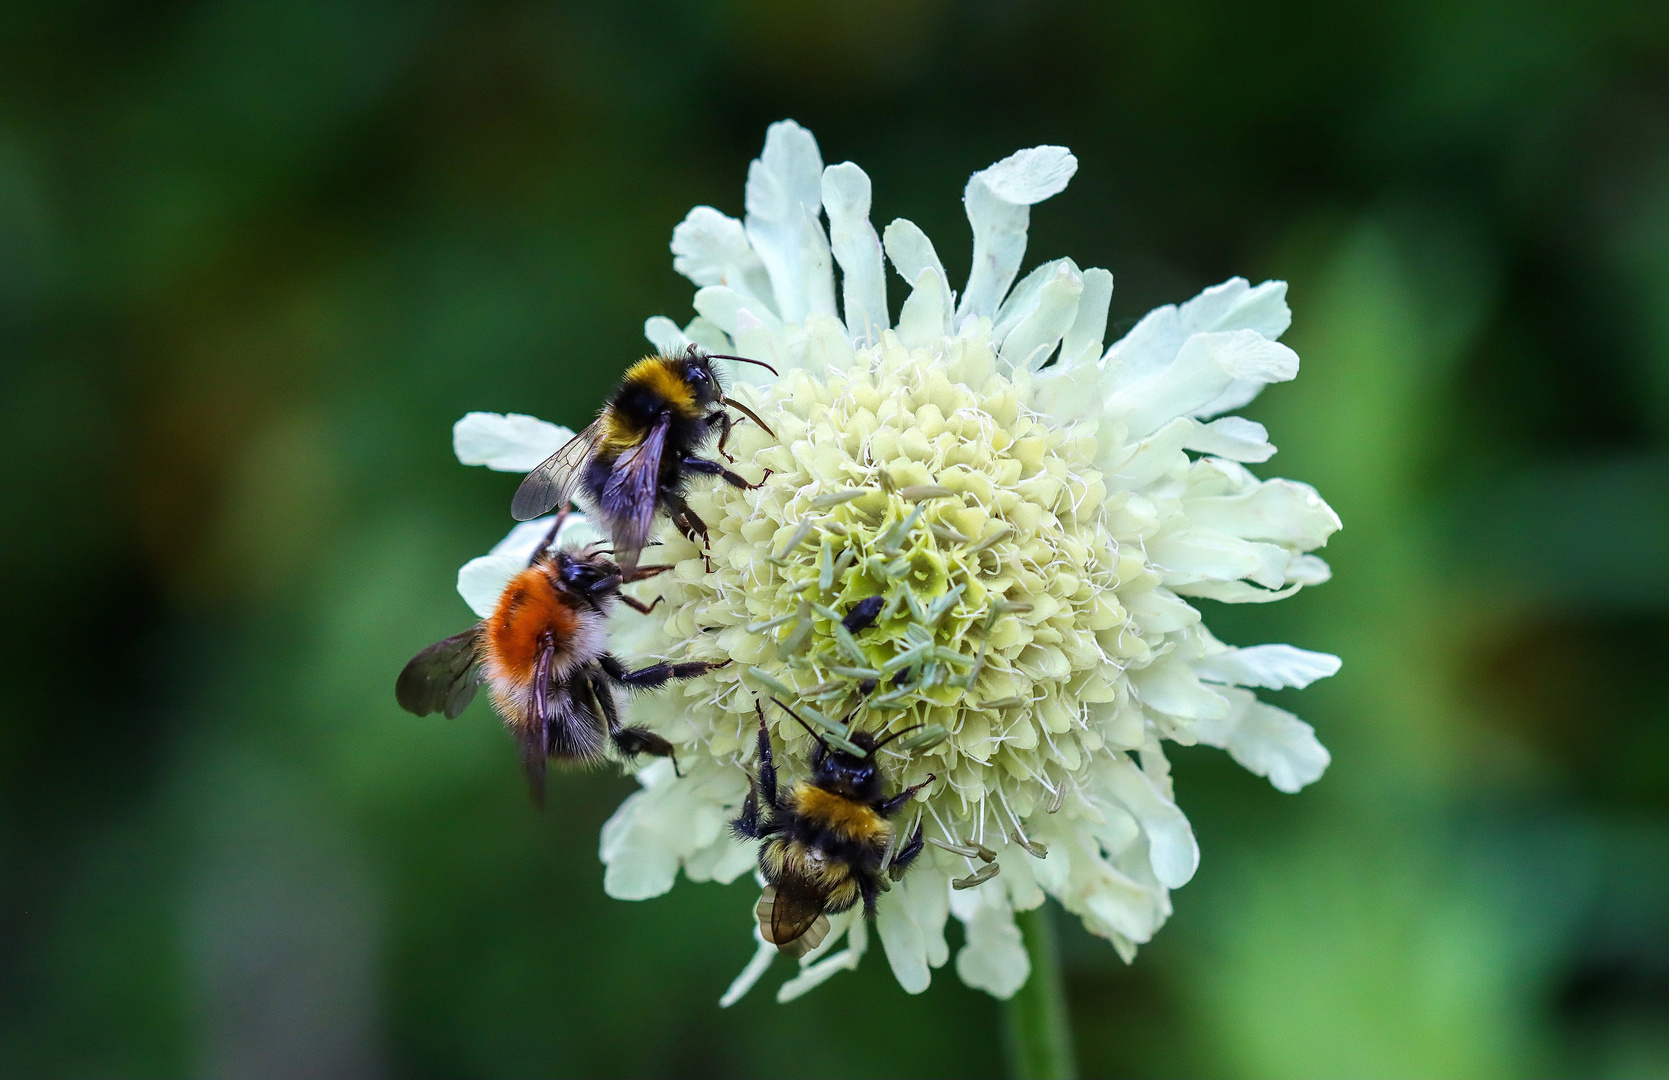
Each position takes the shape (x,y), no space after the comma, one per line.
(1033,512)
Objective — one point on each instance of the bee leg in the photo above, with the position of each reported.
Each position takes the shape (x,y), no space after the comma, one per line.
(639,606)
(629,741)
(747,825)
(767,768)
(550,537)
(722,421)
(686,521)
(888,807)
(871,891)
(713,468)
(655,675)
(643,573)
(907,855)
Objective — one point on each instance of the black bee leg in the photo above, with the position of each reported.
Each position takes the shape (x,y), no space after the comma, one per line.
(767,768)
(643,573)
(550,537)
(907,854)
(686,521)
(722,421)
(713,468)
(655,675)
(889,807)
(630,741)
(639,606)
(870,890)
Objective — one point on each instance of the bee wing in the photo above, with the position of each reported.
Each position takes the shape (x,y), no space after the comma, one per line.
(442,678)
(552,481)
(791,916)
(632,492)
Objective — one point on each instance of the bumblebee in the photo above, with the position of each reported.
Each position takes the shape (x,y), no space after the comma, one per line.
(826,842)
(638,457)
(543,654)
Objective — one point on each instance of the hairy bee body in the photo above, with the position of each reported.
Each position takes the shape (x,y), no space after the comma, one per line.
(827,841)
(543,654)
(637,460)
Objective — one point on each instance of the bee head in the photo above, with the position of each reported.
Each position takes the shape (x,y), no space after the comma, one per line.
(846,773)
(588,575)
(697,369)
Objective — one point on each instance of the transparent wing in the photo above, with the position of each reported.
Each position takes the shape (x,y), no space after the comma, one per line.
(630,496)
(442,678)
(552,482)
(791,916)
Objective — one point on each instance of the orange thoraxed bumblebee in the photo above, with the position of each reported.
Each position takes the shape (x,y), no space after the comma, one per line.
(543,654)
(827,840)
(639,455)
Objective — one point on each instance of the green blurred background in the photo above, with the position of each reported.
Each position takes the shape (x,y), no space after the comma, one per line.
(256,257)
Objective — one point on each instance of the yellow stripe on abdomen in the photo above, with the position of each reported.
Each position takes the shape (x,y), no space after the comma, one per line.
(849,818)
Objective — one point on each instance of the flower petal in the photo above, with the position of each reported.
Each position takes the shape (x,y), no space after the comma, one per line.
(711,248)
(506,442)
(1282,511)
(1231,437)
(664,334)
(846,198)
(923,318)
(1273,667)
(816,974)
(1032,342)
(762,957)
(1082,343)
(1202,369)
(784,189)
(1172,848)
(998,201)
(912,252)
(993,957)
(1268,741)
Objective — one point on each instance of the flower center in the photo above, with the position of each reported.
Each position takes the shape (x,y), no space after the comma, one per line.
(928,554)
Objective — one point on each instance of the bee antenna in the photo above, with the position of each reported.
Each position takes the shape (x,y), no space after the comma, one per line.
(896,734)
(743,359)
(809,730)
(550,537)
(749,413)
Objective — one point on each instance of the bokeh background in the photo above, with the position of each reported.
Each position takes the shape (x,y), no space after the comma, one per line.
(256,257)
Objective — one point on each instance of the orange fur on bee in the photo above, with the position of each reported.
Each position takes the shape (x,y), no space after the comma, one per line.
(850,818)
(529,608)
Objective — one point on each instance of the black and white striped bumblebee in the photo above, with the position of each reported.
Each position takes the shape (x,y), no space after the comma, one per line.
(827,839)
(637,459)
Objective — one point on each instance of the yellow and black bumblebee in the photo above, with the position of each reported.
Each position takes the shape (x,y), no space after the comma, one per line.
(826,841)
(639,455)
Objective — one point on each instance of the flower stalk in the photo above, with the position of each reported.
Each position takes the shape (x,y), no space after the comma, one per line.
(1037,1028)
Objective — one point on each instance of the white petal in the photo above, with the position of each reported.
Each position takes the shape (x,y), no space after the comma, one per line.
(993,957)
(1153,457)
(903,942)
(711,248)
(1171,845)
(1033,341)
(664,334)
(912,252)
(924,316)
(1269,742)
(1082,343)
(723,307)
(818,973)
(785,185)
(863,283)
(762,957)
(757,340)
(1066,392)
(481,581)
(1236,305)
(1202,369)
(1283,511)
(1171,686)
(506,442)
(1273,667)
(1232,437)
(709,335)
(998,201)
(1308,570)
(816,265)
(1023,298)
(1235,592)
(1187,556)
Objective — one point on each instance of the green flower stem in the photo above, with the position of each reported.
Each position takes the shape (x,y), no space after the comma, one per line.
(1037,1029)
